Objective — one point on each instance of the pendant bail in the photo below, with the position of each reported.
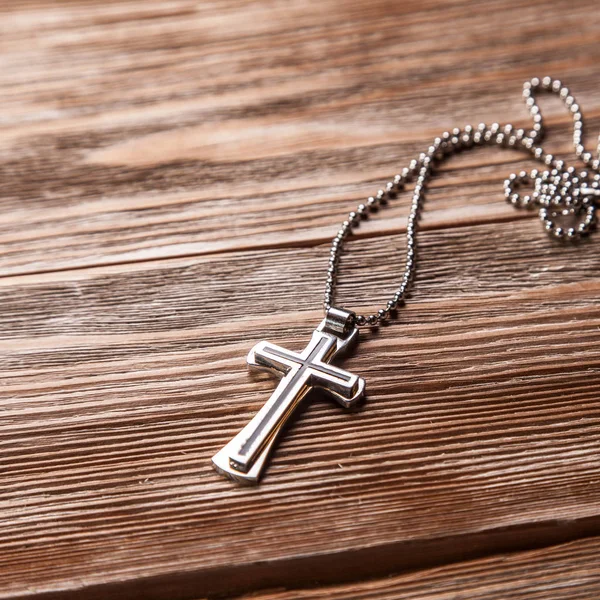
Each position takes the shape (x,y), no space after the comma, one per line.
(339,321)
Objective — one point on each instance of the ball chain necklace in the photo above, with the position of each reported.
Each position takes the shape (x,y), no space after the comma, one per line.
(566,201)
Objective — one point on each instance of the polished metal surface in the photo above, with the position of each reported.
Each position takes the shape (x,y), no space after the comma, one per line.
(339,321)
(566,199)
(244,458)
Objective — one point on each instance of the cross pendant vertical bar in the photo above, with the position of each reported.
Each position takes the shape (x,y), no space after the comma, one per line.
(244,458)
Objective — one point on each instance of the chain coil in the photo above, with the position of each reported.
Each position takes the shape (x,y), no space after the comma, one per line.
(559,191)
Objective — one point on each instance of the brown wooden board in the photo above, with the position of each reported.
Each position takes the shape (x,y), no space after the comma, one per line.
(569,571)
(170,176)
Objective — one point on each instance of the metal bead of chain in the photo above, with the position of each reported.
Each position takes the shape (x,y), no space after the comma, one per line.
(555,187)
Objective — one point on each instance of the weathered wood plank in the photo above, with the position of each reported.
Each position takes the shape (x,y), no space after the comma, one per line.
(569,571)
(193,131)
(482,422)
(169,173)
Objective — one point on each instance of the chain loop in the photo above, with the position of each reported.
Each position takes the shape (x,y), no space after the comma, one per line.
(559,193)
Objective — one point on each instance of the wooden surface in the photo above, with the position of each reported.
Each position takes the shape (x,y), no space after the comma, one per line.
(570,571)
(170,175)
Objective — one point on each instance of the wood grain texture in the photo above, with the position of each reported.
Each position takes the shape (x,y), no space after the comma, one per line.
(130,131)
(170,175)
(569,571)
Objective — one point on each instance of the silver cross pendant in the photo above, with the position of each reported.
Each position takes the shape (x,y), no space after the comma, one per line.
(244,458)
